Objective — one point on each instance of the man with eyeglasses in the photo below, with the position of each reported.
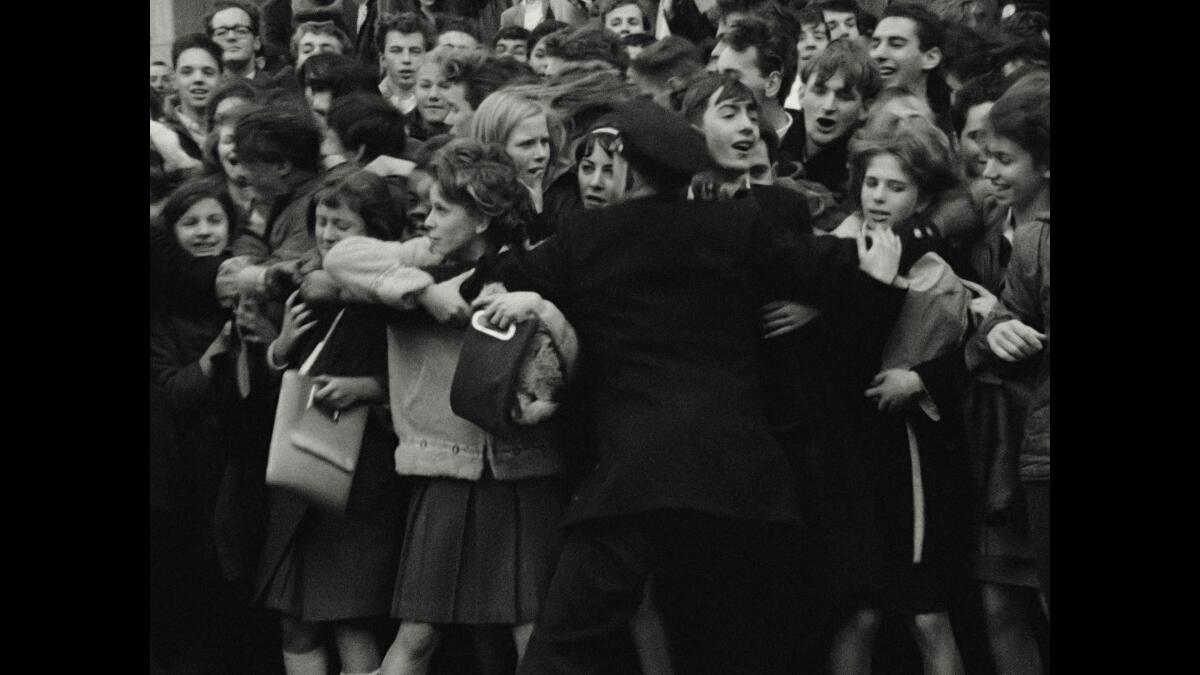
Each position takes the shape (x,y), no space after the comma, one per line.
(234,26)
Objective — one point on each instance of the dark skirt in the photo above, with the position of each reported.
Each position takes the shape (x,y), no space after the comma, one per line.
(995,423)
(333,568)
(478,552)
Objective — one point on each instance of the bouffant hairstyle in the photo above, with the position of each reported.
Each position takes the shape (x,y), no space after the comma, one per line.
(921,148)
(187,194)
(279,134)
(364,193)
(456,24)
(987,87)
(695,101)
(1022,115)
(481,178)
(405,23)
(543,29)
(502,111)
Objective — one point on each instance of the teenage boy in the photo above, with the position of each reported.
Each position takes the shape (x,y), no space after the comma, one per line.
(664,68)
(234,25)
(280,149)
(968,115)
(839,86)
(763,57)
(1018,328)
(160,77)
(513,42)
(318,37)
(403,41)
(198,71)
(842,19)
(663,294)
(907,45)
(459,33)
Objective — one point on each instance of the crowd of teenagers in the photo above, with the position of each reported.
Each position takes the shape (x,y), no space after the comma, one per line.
(790,267)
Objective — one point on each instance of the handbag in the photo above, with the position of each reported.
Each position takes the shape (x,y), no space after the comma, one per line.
(484,390)
(314,451)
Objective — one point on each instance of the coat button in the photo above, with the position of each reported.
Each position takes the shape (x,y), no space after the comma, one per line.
(456,449)
(424,443)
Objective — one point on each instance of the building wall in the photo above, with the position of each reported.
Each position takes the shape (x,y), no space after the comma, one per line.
(171,18)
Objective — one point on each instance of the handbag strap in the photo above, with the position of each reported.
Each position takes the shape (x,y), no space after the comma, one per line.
(312,358)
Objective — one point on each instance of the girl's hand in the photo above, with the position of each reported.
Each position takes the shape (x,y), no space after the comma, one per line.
(254,326)
(982,305)
(220,345)
(894,388)
(297,321)
(444,302)
(503,309)
(882,260)
(784,316)
(1013,341)
(341,393)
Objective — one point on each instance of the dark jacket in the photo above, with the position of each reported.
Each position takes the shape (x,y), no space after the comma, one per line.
(665,295)
(1026,296)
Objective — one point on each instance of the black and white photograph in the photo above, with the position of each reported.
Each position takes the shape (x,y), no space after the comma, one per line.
(599,337)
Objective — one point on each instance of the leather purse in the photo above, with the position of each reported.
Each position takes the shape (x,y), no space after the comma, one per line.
(484,390)
(314,451)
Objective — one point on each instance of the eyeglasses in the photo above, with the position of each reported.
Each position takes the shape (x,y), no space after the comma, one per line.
(240,31)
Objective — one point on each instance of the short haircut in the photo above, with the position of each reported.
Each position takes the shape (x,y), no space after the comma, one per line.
(921,148)
(481,74)
(930,30)
(695,101)
(221,5)
(774,53)
(482,178)
(851,60)
(587,43)
(456,24)
(232,88)
(603,7)
(369,122)
(364,193)
(985,88)
(542,30)
(320,28)
(1022,115)
(197,41)
(279,134)
(812,16)
(405,23)
(512,33)
(847,6)
(968,53)
(339,74)
(672,56)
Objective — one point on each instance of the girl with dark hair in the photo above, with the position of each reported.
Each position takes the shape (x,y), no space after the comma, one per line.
(323,571)
(479,544)
(203,526)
